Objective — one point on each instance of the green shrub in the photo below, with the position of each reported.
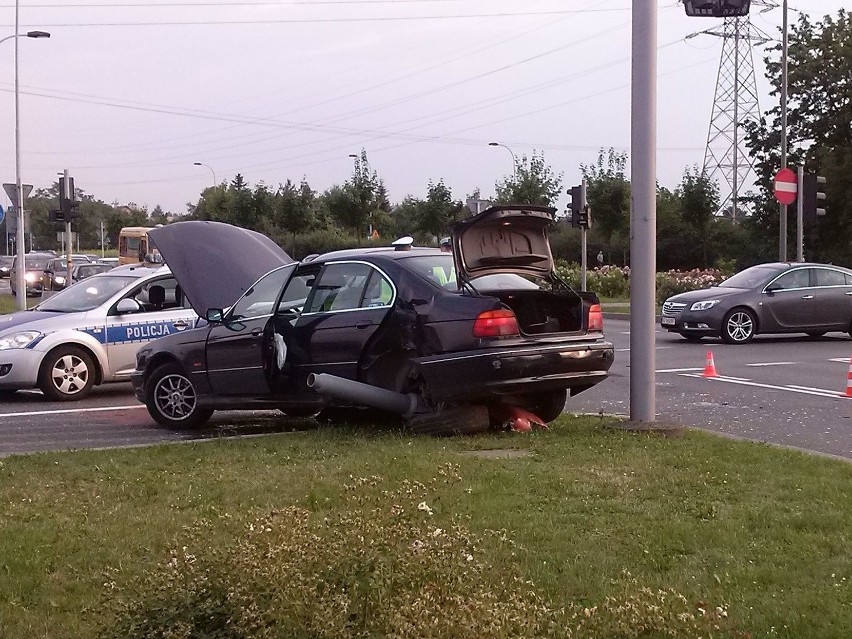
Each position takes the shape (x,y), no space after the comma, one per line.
(385,565)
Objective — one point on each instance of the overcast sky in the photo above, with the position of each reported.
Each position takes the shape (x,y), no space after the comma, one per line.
(128,94)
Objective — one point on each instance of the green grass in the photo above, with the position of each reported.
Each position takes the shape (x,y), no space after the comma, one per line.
(762,531)
(9,304)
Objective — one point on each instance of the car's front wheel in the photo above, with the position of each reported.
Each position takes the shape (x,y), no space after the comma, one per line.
(67,374)
(171,398)
(739,326)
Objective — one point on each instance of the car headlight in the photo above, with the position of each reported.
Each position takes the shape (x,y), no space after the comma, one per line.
(59,279)
(18,340)
(30,277)
(703,306)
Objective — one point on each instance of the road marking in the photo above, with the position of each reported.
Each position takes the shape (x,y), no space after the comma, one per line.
(811,388)
(679,370)
(68,410)
(820,392)
(772,364)
(839,359)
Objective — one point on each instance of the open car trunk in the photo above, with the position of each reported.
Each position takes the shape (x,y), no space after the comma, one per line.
(541,312)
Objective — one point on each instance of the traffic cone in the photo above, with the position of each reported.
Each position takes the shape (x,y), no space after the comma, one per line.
(849,380)
(710,366)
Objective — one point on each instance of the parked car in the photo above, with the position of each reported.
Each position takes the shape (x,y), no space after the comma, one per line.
(112,261)
(6,264)
(82,271)
(89,333)
(436,337)
(56,271)
(779,297)
(35,265)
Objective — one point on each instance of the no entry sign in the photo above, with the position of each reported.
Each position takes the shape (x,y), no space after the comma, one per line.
(785,186)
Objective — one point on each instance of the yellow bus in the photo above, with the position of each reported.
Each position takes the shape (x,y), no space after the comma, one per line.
(133,246)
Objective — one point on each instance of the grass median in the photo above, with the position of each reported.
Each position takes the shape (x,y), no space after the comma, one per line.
(578,531)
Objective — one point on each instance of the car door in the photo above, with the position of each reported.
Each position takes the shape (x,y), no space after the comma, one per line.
(345,307)
(235,346)
(832,299)
(127,331)
(789,299)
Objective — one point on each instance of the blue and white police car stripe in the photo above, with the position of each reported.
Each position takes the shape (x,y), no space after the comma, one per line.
(131,332)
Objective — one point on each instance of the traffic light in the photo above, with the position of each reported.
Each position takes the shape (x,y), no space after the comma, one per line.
(576,205)
(67,205)
(55,215)
(813,197)
(584,219)
(716,8)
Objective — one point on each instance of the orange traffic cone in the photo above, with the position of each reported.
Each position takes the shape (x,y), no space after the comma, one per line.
(710,366)
(849,380)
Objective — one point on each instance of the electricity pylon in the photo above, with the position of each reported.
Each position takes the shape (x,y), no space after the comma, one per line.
(726,158)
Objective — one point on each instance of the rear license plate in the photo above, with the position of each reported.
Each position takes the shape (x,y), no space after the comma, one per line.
(667,321)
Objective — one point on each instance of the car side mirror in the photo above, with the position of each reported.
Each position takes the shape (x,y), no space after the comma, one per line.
(214,315)
(772,288)
(128,305)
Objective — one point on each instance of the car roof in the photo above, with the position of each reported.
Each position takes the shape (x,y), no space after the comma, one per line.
(382,252)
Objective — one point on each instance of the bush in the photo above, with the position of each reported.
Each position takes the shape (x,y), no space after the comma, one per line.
(614,281)
(383,566)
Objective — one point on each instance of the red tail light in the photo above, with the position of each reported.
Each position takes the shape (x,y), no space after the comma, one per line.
(496,324)
(595,318)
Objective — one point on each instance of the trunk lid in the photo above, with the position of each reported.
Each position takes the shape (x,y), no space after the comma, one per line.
(509,238)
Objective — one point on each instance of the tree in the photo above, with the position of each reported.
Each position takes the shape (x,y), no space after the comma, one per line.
(295,209)
(819,113)
(534,182)
(699,199)
(608,193)
(439,211)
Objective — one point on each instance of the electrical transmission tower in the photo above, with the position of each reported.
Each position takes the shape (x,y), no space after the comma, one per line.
(726,158)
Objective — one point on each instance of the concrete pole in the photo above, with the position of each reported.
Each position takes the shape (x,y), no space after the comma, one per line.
(800,214)
(69,245)
(583,241)
(782,226)
(643,211)
(20,249)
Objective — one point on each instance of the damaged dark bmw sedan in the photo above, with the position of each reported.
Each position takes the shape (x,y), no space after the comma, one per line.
(450,341)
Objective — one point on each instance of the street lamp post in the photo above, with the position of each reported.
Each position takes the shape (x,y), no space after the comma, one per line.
(20,271)
(215,183)
(514,161)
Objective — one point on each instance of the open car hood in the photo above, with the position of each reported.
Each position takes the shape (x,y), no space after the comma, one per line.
(510,238)
(214,262)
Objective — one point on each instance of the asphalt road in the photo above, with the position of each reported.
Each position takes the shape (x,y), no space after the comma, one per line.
(786,390)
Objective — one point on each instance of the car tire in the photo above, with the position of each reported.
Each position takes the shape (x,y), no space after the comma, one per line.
(460,420)
(739,326)
(172,400)
(67,374)
(547,406)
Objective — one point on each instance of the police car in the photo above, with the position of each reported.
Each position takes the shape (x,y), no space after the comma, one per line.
(89,333)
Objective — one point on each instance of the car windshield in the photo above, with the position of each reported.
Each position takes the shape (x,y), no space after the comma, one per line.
(37,262)
(88,294)
(751,277)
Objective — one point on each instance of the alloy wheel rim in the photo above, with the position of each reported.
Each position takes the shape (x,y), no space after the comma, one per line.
(740,327)
(70,374)
(174,397)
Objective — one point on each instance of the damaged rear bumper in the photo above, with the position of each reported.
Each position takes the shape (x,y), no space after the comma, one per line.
(491,373)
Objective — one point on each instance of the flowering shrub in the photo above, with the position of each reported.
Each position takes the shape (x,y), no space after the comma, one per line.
(614,281)
(385,565)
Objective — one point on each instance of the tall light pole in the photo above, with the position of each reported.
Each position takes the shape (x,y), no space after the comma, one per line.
(20,271)
(782,225)
(514,161)
(215,183)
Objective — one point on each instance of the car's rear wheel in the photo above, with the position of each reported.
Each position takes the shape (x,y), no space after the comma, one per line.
(171,399)
(67,373)
(547,406)
(739,326)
